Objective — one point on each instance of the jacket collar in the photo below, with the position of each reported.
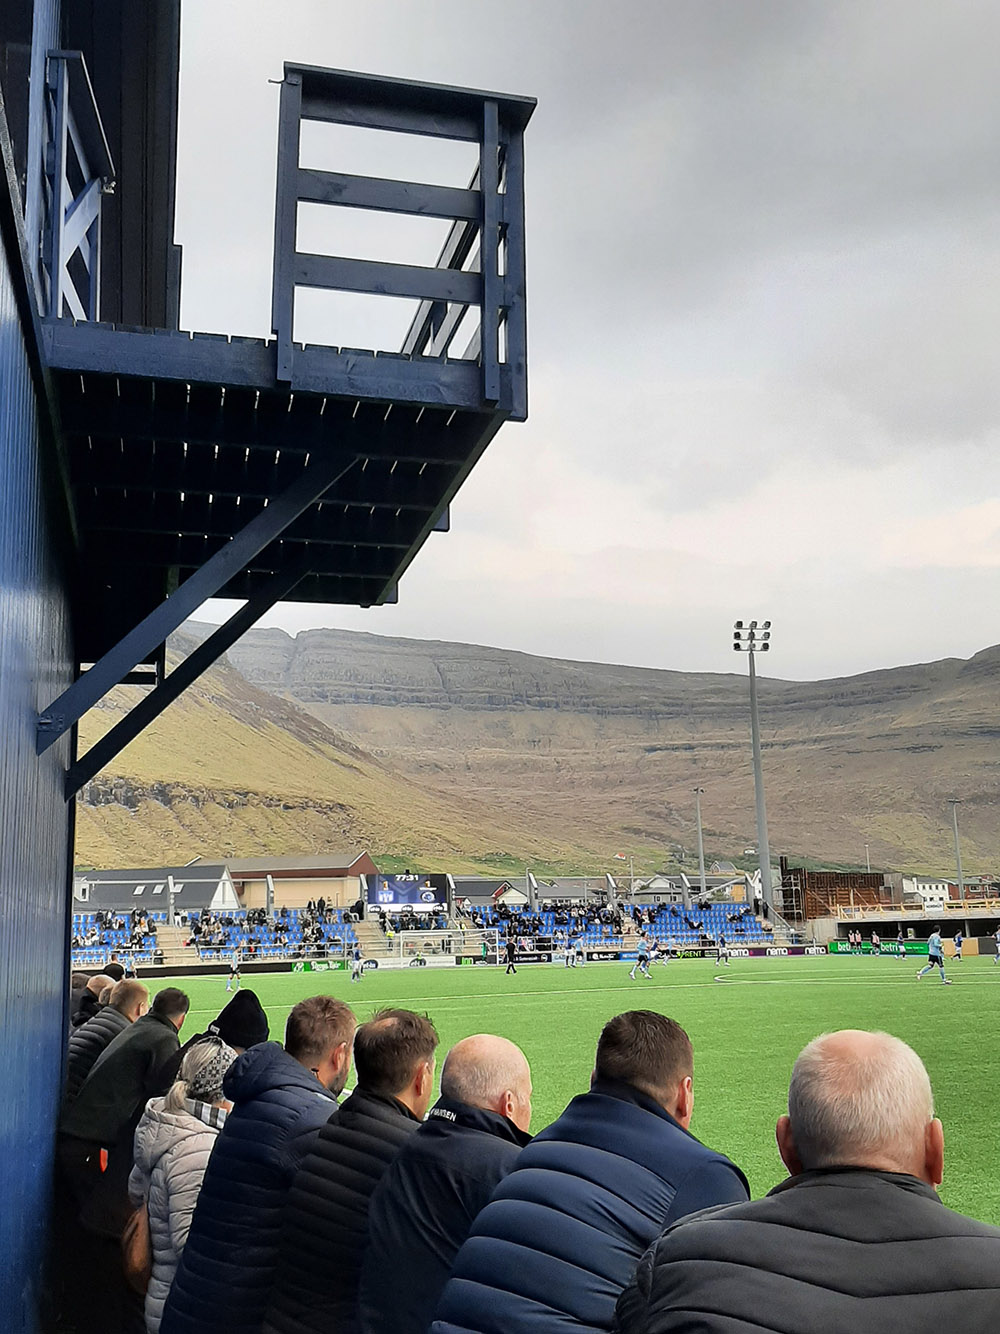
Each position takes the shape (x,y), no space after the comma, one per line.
(449,1111)
(147,1020)
(363,1098)
(614,1088)
(857,1177)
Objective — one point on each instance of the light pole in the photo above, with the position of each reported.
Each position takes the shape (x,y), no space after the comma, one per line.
(954,803)
(868,860)
(701,842)
(755,638)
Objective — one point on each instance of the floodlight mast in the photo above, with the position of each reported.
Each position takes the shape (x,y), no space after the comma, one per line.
(698,794)
(751,638)
(954,803)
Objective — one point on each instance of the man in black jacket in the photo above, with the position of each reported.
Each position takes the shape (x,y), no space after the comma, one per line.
(424,1206)
(855,1239)
(90,999)
(129,1002)
(325,1226)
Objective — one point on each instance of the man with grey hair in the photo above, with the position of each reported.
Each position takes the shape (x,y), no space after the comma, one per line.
(856,1238)
(425,1204)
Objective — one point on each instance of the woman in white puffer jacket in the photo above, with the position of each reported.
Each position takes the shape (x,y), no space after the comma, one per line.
(173,1142)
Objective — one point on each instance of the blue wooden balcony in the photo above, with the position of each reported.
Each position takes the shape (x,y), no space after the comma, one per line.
(204,465)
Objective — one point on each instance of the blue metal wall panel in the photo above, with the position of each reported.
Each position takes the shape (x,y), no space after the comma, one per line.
(35,665)
(45,36)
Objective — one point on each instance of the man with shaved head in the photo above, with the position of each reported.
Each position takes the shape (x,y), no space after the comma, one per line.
(90,999)
(425,1204)
(566,1227)
(855,1239)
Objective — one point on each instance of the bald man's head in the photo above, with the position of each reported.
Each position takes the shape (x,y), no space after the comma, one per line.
(98,982)
(489,1072)
(860,1099)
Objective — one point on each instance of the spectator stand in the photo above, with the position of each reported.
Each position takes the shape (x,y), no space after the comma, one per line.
(612,931)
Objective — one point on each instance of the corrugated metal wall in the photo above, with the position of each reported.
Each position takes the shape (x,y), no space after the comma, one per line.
(35,664)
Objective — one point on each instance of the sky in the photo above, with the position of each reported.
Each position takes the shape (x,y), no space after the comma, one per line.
(764,311)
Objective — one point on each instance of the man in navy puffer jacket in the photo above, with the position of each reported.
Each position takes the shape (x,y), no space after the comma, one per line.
(564,1231)
(281,1099)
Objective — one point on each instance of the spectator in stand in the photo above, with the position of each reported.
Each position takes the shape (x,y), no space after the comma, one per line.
(327,1212)
(240,1024)
(94,1159)
(105,1111)
(565,1229)
(172,1146)
(129,1001)
(281,1097)
(77,986)
(90,1000)
(856,1238)
(426,1202)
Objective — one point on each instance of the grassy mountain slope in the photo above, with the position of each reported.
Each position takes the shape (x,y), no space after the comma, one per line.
(460,757)
(230,769)
(609,755)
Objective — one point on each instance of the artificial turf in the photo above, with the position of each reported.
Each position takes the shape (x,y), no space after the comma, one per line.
(747,1029)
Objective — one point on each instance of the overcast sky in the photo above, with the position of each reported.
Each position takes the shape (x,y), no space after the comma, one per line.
(764,313)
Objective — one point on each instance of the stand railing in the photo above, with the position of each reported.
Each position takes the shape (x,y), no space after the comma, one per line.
(481,266)
(78,171)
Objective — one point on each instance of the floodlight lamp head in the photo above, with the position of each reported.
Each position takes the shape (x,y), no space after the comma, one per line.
(765,625)
(738,625)
(763,647)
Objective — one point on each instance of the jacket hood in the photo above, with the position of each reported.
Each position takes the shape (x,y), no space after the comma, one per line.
(160,1129)
(268,1066)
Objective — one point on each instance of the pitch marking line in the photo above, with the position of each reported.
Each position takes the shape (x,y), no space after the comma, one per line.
(634,989)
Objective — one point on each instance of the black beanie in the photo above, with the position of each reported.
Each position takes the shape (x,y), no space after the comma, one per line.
(243,1022)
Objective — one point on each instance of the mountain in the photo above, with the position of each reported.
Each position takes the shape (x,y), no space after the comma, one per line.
(232,770)
(434,751)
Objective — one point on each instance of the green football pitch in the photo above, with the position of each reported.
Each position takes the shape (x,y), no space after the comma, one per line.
(747,1024)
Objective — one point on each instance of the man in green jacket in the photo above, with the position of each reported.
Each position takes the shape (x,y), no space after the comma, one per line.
(94,1159)
(105,1112)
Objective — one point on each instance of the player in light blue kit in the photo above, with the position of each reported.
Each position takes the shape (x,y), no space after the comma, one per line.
(935,956)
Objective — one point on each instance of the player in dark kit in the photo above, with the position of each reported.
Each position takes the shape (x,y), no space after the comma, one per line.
(511,952)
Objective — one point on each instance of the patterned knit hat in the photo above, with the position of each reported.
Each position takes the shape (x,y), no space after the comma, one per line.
(204,1068)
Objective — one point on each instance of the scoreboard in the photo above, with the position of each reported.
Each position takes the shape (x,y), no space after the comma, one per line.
(422,893)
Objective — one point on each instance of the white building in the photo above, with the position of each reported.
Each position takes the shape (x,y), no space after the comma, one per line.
(932,890)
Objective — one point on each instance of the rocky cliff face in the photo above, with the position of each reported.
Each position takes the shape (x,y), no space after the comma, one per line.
(589,746)
(456,756)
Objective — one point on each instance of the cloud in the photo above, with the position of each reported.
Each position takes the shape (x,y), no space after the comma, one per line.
(764,265)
